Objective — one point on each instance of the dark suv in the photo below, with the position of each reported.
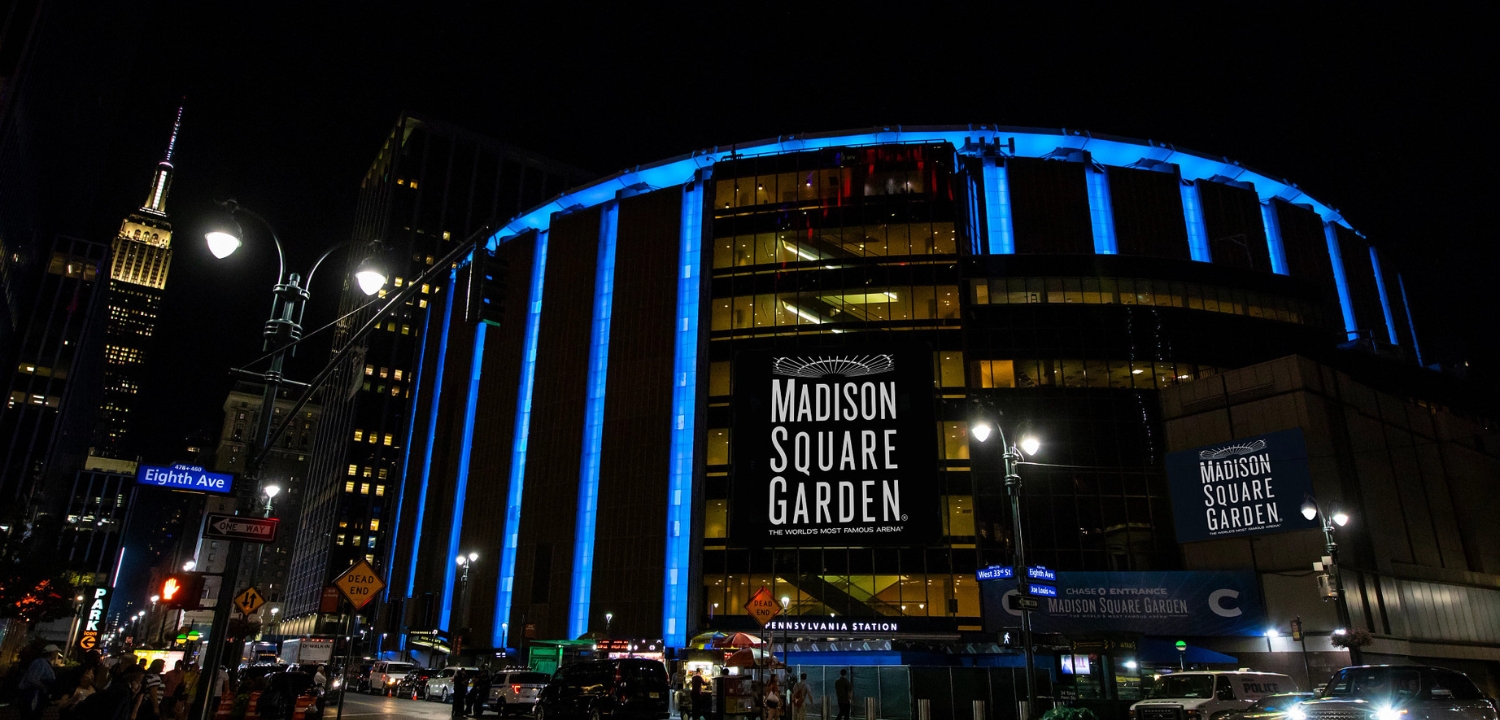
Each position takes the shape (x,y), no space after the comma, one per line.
(1396,692)
(600,689)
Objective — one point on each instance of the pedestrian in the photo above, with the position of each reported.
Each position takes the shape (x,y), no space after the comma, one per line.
(843,690)
(773,699)
(80,692)
(150,701)
(480,692)
(37,681)
(320,681)
(460,692)
(118,701)
(700,703)
(801,698)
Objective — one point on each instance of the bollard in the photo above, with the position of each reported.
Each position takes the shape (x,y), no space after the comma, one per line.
(870,708)
(979,713)
(924,709)
(825,715)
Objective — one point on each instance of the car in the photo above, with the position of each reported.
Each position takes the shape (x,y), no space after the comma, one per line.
(1397,692)
(384,675)
(414,684)
(515,691)
(615,689)
(1272,707)
(1208,695)
(440,686)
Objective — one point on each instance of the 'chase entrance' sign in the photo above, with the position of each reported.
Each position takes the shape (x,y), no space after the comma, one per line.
(834,448)
(185,477)
(1248,486)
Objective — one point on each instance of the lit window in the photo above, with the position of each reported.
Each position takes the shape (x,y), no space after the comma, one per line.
(387,441)
(426,288)
(414,184)
(370,541)
(397,374)
(364,488)
(383,472)
(369,369)
(447,235)
(398,279)
(421,303)
(379,492)
(405,329)
(385,372)
(374,438)
(349,486)
(395,392)
(353,470)
(368,471)
(341,539)
(359,435)
(375,524)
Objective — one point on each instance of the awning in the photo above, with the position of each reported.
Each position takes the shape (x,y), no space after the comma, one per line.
(1154,650)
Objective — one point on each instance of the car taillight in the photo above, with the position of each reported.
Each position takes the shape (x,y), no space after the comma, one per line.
(516,689)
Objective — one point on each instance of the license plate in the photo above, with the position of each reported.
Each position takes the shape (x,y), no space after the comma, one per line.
(655,694)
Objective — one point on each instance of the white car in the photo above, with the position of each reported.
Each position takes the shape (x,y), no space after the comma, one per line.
(515,692)
(385,674)
(1208,695)
(440,686)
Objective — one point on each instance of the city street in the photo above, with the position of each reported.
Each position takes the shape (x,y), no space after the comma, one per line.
(366,706)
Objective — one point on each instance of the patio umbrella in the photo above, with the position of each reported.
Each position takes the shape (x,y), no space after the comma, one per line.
(751,657)
(704,641)
(739,640)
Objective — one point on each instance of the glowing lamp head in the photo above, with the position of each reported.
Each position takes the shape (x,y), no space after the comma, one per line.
(1272,633)
(155,598)
(222,243)
(1340,518)
(785,602)
(981,431)
(272,491)
(189,565)
(461,560)
(473,556)
(1309,509)
(1030,444)
(369,276)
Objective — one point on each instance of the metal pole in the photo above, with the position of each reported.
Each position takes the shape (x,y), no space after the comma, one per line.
(1013,487)
(1306,667)
(348,660)
(1356,657)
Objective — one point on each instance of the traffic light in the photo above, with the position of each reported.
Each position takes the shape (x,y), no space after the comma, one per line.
(183,591)
(486,297)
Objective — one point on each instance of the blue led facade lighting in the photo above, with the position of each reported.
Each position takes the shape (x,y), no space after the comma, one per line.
(1272,222)
(507,581)
(437,395)
(461,487)
(593,425)
(1002,238)
(1415,346)
(1385,300)
(674,614)
(1192,214)
(1101,214)
(1337,258)
(411,433)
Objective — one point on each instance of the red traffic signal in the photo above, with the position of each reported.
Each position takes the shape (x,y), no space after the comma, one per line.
(183,591)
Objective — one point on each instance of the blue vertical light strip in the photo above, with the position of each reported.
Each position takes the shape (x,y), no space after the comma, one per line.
(1385,299)
(1415,346)
(1192,214)
(684,409)
(1339,278)
(1101,213)
(1002,238)
(593,426)
(437,395)
(1272,223)
(411,436)
(974,240)
(518,448)
(461,487)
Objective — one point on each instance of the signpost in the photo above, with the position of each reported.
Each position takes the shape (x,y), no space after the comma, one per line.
(249,601)
(359,584)
(185,477)
(239,527)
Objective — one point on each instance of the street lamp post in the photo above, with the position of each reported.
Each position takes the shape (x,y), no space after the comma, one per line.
(608,618)
(465,562)
(1331,520)
(1012,455)
(156,616)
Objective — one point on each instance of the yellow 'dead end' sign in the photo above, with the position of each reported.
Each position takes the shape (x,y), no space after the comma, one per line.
(359,584)
(763,606)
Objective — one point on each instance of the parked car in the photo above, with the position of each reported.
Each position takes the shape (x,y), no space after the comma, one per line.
(1272,707)
(1208,695)
(627,688)
(516,691)
(414,684)
(385,674)
(440,686)
(1397,692)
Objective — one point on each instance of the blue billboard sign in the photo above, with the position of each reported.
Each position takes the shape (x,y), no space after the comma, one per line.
(185,477)
(1211,603)
(1249,486)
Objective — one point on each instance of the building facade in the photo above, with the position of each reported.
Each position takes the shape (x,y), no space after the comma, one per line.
(1062,282)
(432,185)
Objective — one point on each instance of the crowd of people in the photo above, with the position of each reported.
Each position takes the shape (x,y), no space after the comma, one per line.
(775,701)
(120,687)
(471,688)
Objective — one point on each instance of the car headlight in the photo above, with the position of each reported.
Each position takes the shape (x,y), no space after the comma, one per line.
(1389,713)
(1297,713)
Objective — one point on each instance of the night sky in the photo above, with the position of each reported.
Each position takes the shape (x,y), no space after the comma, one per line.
(1382,117)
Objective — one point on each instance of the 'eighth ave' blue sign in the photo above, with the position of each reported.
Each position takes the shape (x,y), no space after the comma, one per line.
(185,477)
(1205,603)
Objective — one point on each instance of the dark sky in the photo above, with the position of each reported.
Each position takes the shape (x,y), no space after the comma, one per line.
(1381,116)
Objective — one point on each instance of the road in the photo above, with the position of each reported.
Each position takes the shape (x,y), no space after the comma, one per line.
(366,707)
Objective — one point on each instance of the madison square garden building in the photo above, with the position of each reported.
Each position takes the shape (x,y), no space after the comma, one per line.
(759,367)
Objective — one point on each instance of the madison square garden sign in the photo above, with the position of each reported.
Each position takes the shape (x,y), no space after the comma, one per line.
(834,448)
(1247,486)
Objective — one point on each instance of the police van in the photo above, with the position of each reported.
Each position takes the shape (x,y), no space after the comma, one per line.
(1208,695)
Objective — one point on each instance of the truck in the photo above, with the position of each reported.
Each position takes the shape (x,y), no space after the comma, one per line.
(307,651)
(258,652)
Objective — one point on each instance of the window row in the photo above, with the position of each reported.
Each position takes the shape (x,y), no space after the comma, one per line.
(817,186)
(954,433)
(380,389)
(948,373)
(1140,291)
(835,243)
(839,595)
(1138,374)
(373,437)
(384,372)
(818,307)
(367,471)
(364,488)
(357,540)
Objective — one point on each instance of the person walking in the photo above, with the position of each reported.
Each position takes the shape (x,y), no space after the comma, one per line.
(460,692)
(801,698)
(700,703)
(843,691)
(773,699)
(37,682)
(480,692)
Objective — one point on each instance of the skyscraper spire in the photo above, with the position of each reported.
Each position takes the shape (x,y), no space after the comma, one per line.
(161,183)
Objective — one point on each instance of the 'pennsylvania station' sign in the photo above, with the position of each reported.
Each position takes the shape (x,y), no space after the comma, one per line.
(1247,486)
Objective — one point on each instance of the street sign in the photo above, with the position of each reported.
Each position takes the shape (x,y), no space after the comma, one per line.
(763,606)
(185,477)
(359,584)
(329,603)
(1042,590)
(995,572)
(1037,572)
(1020,602)
(249,601)
(238,527)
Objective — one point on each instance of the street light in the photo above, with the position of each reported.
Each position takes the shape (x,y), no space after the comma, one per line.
(608,618)
(1331,520)
(1030,444)
(271,492)
(786,602)
(189,565)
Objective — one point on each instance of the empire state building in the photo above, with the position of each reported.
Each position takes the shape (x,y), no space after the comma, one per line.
(140,257)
